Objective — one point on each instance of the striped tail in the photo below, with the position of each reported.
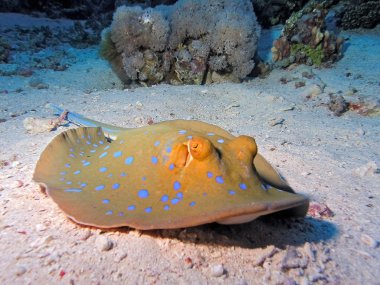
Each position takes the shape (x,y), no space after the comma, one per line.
(80,120)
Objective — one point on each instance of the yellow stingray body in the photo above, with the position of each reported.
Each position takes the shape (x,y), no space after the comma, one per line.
(172,174)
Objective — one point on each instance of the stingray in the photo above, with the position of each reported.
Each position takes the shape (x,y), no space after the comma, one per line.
(173,174)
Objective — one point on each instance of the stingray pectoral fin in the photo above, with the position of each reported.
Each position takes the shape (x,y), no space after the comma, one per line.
(282,203)
(269,175)
(67,155)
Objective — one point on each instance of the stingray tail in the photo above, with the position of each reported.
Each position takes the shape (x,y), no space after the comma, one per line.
(80,120)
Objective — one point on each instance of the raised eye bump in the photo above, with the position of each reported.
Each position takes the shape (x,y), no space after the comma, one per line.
(245,147)
(200,148)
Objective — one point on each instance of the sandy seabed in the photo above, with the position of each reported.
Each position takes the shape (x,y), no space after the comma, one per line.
(332,159)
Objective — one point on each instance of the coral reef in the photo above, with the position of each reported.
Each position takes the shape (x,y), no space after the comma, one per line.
(186,43)
(305,39)
(360,14)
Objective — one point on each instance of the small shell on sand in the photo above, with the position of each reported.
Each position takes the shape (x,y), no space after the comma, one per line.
(368,240)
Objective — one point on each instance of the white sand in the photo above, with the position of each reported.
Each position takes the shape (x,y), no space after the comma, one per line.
(331,159)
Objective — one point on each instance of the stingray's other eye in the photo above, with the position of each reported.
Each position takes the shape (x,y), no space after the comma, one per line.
(245,148)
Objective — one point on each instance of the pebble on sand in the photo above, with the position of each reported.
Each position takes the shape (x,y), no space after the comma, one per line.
(20,270)
(217,270)
(103,243)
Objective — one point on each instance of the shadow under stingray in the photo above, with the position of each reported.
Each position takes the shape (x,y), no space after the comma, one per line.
(256,234)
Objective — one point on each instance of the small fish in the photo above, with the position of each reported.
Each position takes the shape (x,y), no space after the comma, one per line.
(173,174)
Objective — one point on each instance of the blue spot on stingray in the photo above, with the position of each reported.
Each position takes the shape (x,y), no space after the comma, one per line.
(192,204)
(99,134)
(82,136)
(175,201)
(105,201)
(148,210)
(107,147)
(131,207)
(101,142)
(73,190)
(219,179)
(210,134)
(189,137)
(69,182)
(109,212)
(231,192)
(103,169)
(123,174)
(154,159)
(169,149)
(182,132)
(61,179)
(143,178)
(176,185)
(72,155)
(110,175)
(88,142)
(71,150)
(220,140)
(76,172)
(209,174)
(166,207)
(115,186)
(95,145)
(86,163)
(99,187)
(103,154)
(179,195)
(63,173)
(165,198)
(117,154)
(204,194)
(157,143)
(143,193)
(243,186)
(129,160)
(93,150)
(121,214)
(171,166)
(83,185)
(68,165)
(89,137)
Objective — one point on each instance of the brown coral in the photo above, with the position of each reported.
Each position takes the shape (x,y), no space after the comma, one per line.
(280,49)
(305,38)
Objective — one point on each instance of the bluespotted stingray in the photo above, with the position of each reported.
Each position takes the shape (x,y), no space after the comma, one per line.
(172,174)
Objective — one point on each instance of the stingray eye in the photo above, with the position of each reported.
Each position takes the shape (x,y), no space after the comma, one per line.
(200,148)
